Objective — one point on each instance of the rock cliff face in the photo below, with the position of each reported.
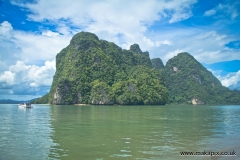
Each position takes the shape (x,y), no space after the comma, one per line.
(195,101)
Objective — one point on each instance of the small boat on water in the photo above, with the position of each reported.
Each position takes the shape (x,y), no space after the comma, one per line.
(25,105)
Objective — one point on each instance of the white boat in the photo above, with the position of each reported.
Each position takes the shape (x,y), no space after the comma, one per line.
(25,105)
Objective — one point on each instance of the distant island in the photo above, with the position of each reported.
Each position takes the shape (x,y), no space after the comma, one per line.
(93,71)
(9,101)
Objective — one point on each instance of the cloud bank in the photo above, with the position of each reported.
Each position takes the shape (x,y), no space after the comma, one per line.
(22,79)
(27,62)
(128,24)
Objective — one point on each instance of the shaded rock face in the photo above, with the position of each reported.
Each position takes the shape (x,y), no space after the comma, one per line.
(135,48)
(100,94)
(131,87)
(61,95)
(175,69)
(198,79)
(57,98)
(101,98)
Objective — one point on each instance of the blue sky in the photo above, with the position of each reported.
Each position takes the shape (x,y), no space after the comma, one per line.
(32,32)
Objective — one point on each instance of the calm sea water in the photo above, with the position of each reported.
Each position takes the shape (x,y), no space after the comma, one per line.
(117,132)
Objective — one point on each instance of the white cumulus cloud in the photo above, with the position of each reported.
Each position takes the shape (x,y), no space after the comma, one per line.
(109,19)
(50,33)
(205,46)
(230,79)
(5,29)
(27,79)
(210,12)
(29,47)
(223,10)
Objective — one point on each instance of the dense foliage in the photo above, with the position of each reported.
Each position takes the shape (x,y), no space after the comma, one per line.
(187,79)
(94,71)
(42,100)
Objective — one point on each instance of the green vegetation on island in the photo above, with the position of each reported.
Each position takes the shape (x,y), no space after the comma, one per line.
(157,63)
(93,71)
(190,83)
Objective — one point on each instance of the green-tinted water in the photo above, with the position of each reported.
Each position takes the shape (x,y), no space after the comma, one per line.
(117,132)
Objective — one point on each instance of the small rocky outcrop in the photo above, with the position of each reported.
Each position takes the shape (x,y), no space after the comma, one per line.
(100,94)
(157,63)
(135,48)
(196,101)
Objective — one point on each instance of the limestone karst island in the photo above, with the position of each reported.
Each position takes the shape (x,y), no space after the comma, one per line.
(93,71)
